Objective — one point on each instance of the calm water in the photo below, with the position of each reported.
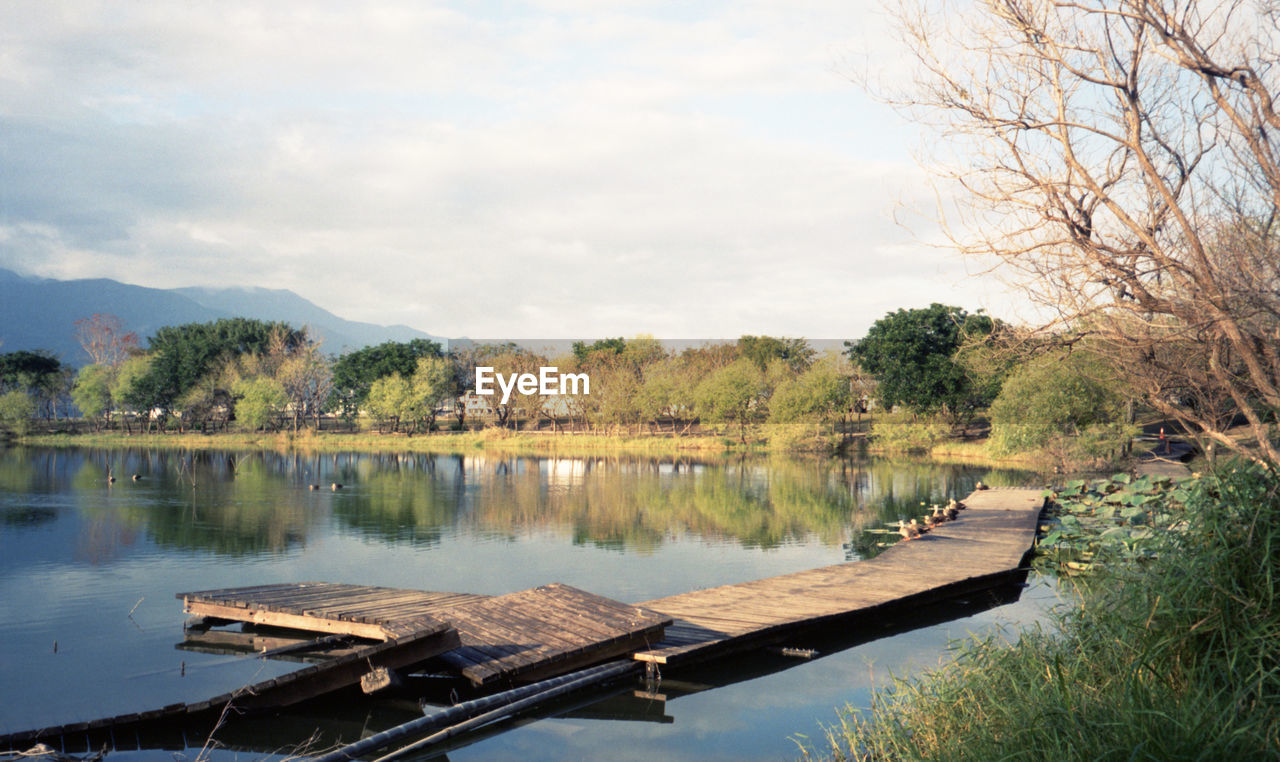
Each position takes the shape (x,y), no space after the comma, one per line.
(88,573)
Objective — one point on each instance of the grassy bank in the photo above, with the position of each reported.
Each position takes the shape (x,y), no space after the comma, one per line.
(1171,658)
(491,440)
(775,438)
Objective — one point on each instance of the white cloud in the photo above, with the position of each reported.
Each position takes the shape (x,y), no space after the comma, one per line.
(565,170)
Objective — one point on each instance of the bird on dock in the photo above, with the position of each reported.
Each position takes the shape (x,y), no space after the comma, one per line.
(933,519)
(980,485)
(920,528)
(957,504)
(908,532)
(952,513)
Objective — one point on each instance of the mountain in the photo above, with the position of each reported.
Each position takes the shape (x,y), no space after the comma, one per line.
(40,313)
(338,335)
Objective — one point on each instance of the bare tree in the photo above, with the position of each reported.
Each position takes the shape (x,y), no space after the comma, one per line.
(1121,157)
(104,339)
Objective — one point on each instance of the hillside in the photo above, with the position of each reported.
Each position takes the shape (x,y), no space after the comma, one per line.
(40,313)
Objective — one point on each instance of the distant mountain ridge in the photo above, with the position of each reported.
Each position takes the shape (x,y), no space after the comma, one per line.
(40,313)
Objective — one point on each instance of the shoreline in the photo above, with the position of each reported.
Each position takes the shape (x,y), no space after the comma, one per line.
(964,452)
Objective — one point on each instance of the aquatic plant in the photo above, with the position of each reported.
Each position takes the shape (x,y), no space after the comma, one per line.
(1092,522)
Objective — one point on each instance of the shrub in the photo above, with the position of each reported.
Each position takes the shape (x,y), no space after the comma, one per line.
(922,436)
(16,411)
(1056,396)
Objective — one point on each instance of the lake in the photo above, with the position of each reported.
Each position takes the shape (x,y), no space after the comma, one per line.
(89,568)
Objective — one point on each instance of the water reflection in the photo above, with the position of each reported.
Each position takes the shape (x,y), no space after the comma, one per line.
(254,503)
(93,564)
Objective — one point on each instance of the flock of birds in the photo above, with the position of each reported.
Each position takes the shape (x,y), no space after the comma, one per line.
(938,516)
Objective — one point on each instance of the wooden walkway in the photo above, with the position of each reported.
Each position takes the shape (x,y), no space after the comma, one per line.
(516,637)
(988,541)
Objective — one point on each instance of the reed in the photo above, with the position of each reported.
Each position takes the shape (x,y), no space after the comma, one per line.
(1174,658)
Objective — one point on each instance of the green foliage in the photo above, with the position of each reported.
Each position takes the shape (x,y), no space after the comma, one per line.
(128,388)
(583,351)
(912,355)
(1095,523)
(732,393)
(762,350)
(397,400)
(1057,396)
(92,390)
(16,411)
(431,385)
(261,401)
(38,374)
(389,399)
(355,372)
(907,437)
(31,372)
(1171,659)
(182,355)
(664,392)
(821,393)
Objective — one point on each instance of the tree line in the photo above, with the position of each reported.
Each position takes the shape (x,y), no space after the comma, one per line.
(936,364)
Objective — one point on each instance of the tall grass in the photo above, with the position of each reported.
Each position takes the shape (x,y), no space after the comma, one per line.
(1175,659)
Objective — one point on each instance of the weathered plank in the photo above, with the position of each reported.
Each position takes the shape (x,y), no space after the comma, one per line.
(545,630)
(988,540)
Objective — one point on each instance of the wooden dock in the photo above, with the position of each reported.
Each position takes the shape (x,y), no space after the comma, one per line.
(505,639)
(498,641)
(988,541)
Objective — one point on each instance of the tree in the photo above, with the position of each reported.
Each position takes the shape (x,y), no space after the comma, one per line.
(1059,394)
(261,402)
(182,355)
(308,381)
(16,411)
(506,360)
(1123,158)
(128,389)
(761,350)
(387,400)
(104,339)
(432,383)
(38,374)
(92,392)
(822,393)
(582,351)
(733,393)
(912,355)
(463,361)
(355,372)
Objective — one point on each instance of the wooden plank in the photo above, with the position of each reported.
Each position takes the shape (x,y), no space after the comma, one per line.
(281,619)
(990,539)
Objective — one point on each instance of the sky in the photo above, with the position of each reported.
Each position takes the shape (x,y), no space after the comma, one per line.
(551,168)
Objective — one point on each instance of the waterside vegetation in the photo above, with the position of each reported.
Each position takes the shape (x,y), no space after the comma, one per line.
(928,380)
(1168,652)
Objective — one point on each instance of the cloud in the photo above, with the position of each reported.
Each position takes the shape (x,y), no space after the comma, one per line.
(550,171)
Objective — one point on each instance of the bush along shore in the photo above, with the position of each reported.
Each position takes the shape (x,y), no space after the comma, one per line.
(1169,653)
